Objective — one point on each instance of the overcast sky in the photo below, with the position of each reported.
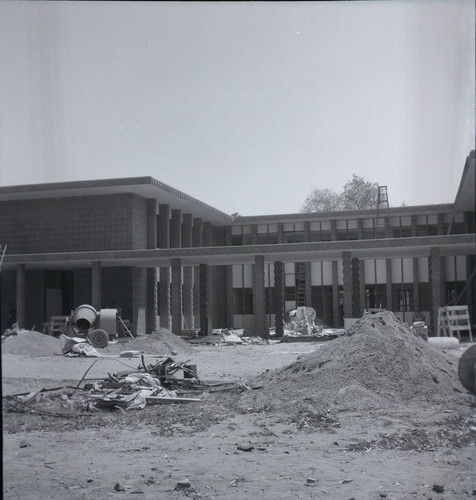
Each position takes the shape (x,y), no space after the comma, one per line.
(246,106)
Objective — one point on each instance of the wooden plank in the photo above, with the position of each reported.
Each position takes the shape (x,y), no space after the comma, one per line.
(156,400)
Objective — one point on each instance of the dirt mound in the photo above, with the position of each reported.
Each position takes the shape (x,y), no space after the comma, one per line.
(32,343)
(379,363)
(161,342)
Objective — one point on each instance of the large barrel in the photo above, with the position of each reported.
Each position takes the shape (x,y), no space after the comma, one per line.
(84,317)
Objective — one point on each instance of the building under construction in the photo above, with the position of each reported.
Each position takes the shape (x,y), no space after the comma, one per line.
(166,259)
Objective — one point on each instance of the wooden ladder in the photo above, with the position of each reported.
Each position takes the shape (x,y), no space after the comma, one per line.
(454,319)
(382,228)
(301,286)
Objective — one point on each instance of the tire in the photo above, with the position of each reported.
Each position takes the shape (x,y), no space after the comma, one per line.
(99,338)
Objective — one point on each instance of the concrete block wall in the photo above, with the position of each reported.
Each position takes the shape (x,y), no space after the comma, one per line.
(112,222)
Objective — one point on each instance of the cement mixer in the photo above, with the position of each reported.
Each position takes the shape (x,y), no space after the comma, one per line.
(97,326)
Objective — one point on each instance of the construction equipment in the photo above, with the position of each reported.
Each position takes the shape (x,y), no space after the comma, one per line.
(97,326)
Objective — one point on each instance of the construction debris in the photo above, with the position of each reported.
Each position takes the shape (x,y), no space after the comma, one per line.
(147,385)
(150,384)
(77,346)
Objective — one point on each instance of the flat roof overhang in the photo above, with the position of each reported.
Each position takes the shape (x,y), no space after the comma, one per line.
(145,187)
(464,244)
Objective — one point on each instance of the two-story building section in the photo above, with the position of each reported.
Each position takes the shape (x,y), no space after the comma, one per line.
(167,259)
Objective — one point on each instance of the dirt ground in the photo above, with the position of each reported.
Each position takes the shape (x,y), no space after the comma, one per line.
(219,449)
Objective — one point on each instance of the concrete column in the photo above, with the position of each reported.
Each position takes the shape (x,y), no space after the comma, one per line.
(347,277)
(187,271)
(413,225)
(96,285)
(356,304)
(307,231)
(254,234)
(279,297)
(164,226)
(228,236)
(205,315)
(151,223)
(176,229)
(388,269)
(139,301)
(152,296)
(442,280)
(229,296)
(466,222)
(187,224)
(440,224)
(416,288)
(362,286)
(21,295)
(164,297)
(360,229)
(187,297)
(207,234)
(164,272)
(336,309)
(471,289)
(197,232)
(434,278)
(176,296)
(307,284)
(259,302)
(333,230)
(152,242)
(197,240)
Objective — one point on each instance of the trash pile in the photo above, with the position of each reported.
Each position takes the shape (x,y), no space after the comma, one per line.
(379,363)
(134,389)
(31,343)
(149,384)
(303,322)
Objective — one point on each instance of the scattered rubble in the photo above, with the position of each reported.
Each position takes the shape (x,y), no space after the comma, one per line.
(134,389)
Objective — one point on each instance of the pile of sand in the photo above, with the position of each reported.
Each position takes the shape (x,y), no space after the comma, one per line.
(379,363)
(32,343)
(161,342)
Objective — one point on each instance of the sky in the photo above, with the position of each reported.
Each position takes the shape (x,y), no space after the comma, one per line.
(246,106)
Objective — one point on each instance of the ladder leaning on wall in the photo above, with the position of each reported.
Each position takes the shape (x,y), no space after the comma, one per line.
(301,286)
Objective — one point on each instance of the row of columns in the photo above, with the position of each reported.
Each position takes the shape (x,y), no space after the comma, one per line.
(177,292)
(181,280)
